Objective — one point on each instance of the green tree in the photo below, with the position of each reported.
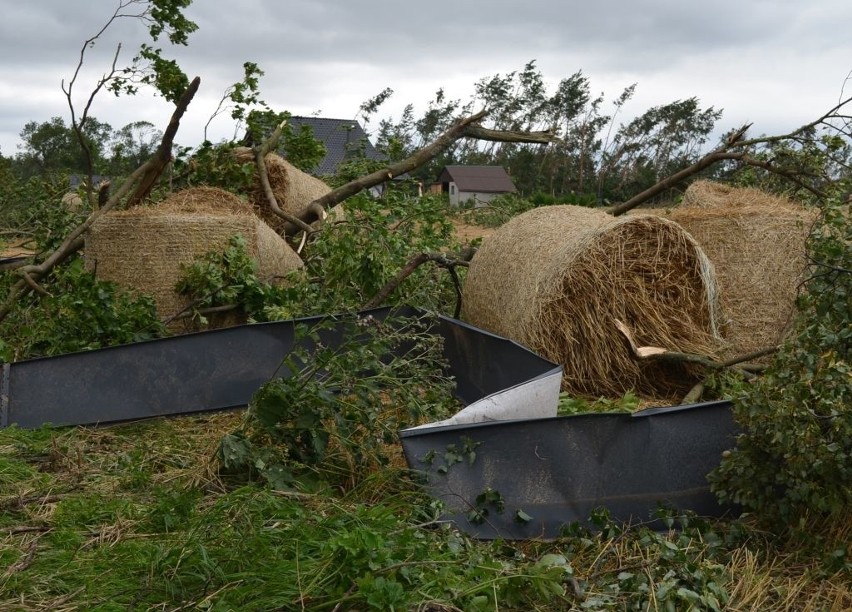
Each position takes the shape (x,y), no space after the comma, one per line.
(52,146)
(130,147)
(656,144)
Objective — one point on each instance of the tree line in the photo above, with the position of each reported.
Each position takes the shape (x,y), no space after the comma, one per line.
(590,156)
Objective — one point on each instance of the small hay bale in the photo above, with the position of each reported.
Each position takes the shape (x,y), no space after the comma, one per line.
(72,201)
(556,279)
(294,190)
(756,242)
(144,249)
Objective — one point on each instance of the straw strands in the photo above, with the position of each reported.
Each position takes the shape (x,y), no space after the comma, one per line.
(756,242)
(212,200)
(557,278)
(144,249)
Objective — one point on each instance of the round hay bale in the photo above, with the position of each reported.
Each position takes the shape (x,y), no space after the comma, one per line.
(716,196)
(757,243)
(210,200)
(557,278)
(294,190)
(72,201)
(145,249)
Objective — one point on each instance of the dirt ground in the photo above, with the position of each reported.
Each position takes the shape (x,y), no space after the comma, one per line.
(466,233)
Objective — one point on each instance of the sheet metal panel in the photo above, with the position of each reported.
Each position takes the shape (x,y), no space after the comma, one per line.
(222,369)
(560,470)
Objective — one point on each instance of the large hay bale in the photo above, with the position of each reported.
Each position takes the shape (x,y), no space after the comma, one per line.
(144,249)
(294,190)
(756,242)
(557,278)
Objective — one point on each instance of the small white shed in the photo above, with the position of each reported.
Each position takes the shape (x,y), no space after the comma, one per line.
(475,185)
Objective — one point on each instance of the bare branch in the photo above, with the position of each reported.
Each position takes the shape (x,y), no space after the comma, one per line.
(260,154)
(831,113)
(33,285)
(708,160)
(441,259)
(78,125)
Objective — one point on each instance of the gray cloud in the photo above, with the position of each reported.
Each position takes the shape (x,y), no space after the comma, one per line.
(777,63)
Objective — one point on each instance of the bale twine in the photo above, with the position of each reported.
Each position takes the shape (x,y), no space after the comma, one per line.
(294,190)
(757,243)
(144,249)
(557,278)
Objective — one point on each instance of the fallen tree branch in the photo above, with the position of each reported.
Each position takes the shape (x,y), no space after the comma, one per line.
(464,128)
(749,356)
(735,147)
(440,259)
(746,369)
(163,156)
(720,153)
(260,153)
(14,264)
(186,314)
(663,354)
(389,172)
(481,133)
(693,395)
(33,285)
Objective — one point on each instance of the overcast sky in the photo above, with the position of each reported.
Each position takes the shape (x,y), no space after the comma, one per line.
(776,63)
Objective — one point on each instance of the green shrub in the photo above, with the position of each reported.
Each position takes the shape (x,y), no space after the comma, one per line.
(34,208)
(794,460)
(501,209)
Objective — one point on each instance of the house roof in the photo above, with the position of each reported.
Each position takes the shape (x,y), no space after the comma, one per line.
(484,179)
(341,137)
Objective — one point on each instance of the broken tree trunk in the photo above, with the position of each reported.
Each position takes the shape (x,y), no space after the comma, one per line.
(163,156)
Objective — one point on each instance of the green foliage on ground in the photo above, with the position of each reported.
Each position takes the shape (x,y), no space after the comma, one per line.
(298,504)
(76,311)
(356,256)
(334,415)
(230,278)
(568,405)
(79,313)
(793,464)
(136,516)
(346,264)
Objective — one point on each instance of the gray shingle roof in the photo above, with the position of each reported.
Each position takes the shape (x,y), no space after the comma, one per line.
(484,179)
(341,137)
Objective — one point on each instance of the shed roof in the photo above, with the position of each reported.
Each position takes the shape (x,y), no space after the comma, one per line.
(484,179)
(341,137)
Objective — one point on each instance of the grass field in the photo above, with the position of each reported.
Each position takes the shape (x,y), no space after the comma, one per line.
(138,516)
